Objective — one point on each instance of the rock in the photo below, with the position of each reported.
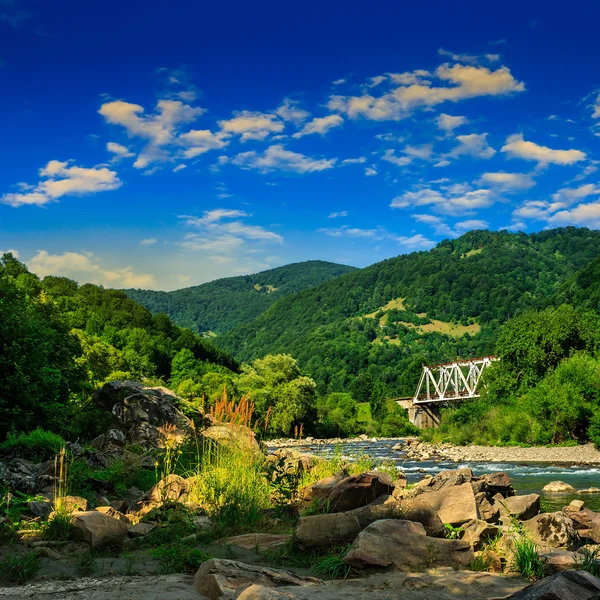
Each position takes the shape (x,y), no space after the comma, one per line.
(237,436)
(321,489)
(110,440)
(115,514)
(47,552)
(259,541)
(487,512)
(494,560)
(454,504)
(358,490)
(140,529)
(259,592)
(498,483)
(145,415)
(552,530)
(519,507)
(403,546)
(71,504)
(225,579)
(421,512)
(558,487)
(590,490)
(478,533)
(450,478)
(570,585)
(585,521)
(20,474)
(172,488)
(201,522)
(557,560)
(99,530)
(40,508)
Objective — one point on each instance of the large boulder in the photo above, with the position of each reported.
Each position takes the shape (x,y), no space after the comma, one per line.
(569,585)
(358,490)
(318,491)
(225,579)
(478,533)
(498,483)
(558,487)
(487,511)
(519,507)
(400,545)
(454,504)
(98,529)
(552,530)
(450,478)
(171,488)
(20,474)
(585,521)
(145,415)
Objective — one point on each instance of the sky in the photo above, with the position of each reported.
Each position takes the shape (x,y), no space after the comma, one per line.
(162,145)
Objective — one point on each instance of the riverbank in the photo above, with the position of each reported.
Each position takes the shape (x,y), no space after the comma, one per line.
(415,449)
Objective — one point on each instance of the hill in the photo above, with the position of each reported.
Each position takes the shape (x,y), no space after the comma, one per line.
(221,305)
(371,330)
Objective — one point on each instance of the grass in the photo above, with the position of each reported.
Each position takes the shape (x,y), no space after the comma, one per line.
(527,560)
(86,562)
(452,533)
(59,527)
(19,568)
(179,558)
(588,561)
(332,565)
(480,563)
(363,414)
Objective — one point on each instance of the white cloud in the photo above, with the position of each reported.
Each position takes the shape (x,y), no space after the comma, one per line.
(338,82)
(538,210)
(58,179)
(12,251)
(474,144)
(160,128)
(252,125)
(568,196)
(596,108)
(370,172)
(415,91)
(508,182)
(440,227)
(472,59)
(148,242)
(199,141)
(587,215)
(414,242)
(517,147)
(179,168)
(290,111)
(277,158)
(336,215)
(320,125)
(400,161)
(457,199)
(84,268)
(449,123)
(471,224)
(354,161)
(119,151)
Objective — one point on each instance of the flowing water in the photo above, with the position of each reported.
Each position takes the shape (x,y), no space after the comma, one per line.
(527,478)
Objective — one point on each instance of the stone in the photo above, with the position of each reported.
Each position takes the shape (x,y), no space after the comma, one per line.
(454,504)
(498,483)
(20,474)
(478,533)
(585,521)
(487,511)
(172,488)
(259,592)
(237,436)
(99,530)
(258,541)
(40,508)
(575,505)
(319,490)
(111,439)
(450,478)
(494,560)
(226,579)
(552,530)
(590,490)
(145,415)
(570,585)
(140,529)
(557,560)
(201,522)
(519,507)
(558,487)
(417,510)
(71,504)
(359,490)
(400,545)
(115,514)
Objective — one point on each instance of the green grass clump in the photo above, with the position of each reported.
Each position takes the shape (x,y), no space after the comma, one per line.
(332,565)
(37,445)
(588,561)
(480,563)
(527,560)
(19,568)
(179,558)
(59,527)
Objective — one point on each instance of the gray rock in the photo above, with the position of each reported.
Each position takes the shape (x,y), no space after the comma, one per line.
(519,507)
(570,585)
(99,530)
(454,504)
(40,508)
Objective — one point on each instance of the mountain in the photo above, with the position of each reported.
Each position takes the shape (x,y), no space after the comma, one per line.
(221,305)
(372,329)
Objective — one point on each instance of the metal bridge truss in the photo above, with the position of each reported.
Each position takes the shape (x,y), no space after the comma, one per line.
(451,381)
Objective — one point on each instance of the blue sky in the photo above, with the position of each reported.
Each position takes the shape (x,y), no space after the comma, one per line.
(164,145)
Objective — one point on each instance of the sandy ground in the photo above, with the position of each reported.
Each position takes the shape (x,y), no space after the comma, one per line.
(439,585)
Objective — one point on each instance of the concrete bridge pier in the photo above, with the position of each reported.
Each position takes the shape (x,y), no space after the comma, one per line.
(421,415)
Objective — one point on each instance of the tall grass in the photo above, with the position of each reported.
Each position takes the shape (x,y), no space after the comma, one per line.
(527,560)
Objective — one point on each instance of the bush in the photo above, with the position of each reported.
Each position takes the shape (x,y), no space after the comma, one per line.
(37,445)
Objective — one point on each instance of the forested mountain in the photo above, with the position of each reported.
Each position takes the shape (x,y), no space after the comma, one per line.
(220,305)
(371,330)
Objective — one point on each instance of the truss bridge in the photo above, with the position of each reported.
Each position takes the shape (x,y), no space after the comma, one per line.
(446,382)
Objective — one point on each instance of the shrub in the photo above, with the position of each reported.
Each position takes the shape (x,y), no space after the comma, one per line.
(37,445)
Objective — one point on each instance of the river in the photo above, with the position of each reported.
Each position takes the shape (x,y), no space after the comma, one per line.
(527,478)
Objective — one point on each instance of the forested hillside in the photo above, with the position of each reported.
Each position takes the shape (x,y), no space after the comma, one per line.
(371,330)
(220,305)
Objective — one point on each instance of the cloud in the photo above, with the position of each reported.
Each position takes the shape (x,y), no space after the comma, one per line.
(416,90)
(12,251)
(587,215)
(289,111)
(252,125)
(415,242)
(85,268)
(199,141)
(508,182)
(148,242)
(277,158)
(119,151)
(471,224)
(58,179)
(568,196)
(354,161)
(448,123)
(179,168)
(160,128)
(472,59)
(336,215)
(370,172)
(474,144)
(456,199)
(596,108)
(440,227)
(517,147)
(320,125)
(538,210)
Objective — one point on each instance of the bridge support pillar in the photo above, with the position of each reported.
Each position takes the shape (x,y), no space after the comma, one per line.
(421,415)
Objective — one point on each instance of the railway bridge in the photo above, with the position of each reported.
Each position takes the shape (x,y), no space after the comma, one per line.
(443,384)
